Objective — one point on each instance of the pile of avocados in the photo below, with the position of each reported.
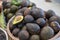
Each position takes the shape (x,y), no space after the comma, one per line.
(31,22)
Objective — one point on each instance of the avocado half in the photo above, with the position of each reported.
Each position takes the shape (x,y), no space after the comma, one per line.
(17,19)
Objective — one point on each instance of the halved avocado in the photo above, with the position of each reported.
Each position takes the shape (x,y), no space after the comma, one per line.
(17,19)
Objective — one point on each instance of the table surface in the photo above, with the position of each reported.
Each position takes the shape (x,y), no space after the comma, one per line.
(46,5)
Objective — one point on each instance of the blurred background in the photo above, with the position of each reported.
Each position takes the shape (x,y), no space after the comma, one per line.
(54,5)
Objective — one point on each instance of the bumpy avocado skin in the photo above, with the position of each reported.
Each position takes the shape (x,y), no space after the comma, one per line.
(47,33)
(23,35)
(50,13)
(35,37)
(55,25)
(28,19)
(37,13)
(15,32)
(13,8)
(55,18)
(41,22)
(33,28)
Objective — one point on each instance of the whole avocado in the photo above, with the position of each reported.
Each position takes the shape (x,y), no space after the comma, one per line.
(46,33)
(50,13)
(13,8)
(37,13)
(28,19)
(35,37)
(54,18)
(23,35)
(41,22)
(55,25)
(33,28)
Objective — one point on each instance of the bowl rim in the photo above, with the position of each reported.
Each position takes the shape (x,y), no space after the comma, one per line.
(5,33)
(56,36)
(8,31)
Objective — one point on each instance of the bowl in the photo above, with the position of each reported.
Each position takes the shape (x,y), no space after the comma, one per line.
(5,33)
(15,38)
